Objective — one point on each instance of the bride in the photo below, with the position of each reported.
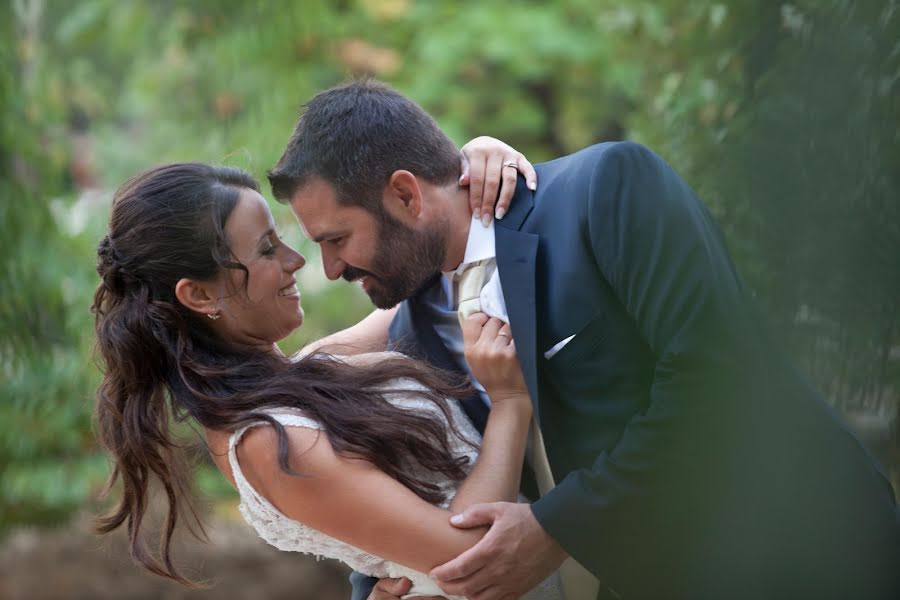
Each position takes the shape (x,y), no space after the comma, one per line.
(362,458)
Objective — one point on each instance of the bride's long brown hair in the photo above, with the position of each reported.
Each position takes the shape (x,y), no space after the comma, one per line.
(164,364)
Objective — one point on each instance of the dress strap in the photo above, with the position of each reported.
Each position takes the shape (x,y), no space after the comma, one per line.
(288,419)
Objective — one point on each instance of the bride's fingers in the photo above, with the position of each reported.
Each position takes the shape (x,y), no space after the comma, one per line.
(390,589)
(503,339)
(472,326)
(490,330)
(492,178)
(479,329)
(476,175)
(527,169)
(509,174)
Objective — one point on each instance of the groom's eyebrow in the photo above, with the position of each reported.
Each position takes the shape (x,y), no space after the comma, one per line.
(325,236)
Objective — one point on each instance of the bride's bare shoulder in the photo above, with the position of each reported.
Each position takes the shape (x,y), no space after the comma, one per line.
(362,359)
(370,359)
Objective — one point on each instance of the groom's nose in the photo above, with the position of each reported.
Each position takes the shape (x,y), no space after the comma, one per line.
(332,264)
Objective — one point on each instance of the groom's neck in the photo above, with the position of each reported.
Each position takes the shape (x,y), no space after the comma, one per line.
(457,218)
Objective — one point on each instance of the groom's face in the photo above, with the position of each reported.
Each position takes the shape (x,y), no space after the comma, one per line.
(391,260)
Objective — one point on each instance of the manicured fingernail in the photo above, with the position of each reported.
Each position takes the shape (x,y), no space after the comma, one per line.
(501,212)
(486,219)
(477,213)
(456,519)
(532,185)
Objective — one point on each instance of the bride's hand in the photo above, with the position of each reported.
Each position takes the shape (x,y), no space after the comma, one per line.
(491,354)
(482,161)
(393,589)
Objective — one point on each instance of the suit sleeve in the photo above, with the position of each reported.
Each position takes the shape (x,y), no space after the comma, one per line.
(659,250)
(362,585)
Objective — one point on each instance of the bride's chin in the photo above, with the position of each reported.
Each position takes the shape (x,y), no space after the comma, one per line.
(298,323)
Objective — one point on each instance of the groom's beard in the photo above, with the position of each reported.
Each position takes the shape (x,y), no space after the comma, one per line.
(405,261)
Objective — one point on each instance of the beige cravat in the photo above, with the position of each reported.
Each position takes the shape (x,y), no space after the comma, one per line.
(577,582)
(468,289)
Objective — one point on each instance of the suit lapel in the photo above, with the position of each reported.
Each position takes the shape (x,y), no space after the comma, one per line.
(516,259)
(516,254)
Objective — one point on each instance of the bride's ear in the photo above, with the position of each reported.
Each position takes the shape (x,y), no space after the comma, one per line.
(197,296)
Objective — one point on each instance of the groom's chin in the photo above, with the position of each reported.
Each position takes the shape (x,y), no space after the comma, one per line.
(384,304)
(384,300)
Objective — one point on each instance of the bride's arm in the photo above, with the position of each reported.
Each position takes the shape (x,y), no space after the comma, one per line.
(353,501)
(369,335)
(491,355)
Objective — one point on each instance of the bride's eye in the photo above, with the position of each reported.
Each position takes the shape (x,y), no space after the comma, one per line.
(269,250)
(273,241)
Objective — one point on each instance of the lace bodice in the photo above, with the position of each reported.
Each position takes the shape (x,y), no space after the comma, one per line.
(287,534)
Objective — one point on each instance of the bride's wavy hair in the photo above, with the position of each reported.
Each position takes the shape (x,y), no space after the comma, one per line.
(164,364)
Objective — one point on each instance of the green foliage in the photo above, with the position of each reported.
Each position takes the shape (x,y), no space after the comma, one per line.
(783,116)
(815,174)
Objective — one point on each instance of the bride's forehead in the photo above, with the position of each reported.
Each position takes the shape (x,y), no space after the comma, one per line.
(252,201)
(251,213)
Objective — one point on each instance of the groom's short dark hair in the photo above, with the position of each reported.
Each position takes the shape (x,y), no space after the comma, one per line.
(354,136)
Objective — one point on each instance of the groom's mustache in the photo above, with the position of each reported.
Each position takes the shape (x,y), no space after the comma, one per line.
(352,274)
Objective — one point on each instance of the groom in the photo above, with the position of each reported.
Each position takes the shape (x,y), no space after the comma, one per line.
(691,460)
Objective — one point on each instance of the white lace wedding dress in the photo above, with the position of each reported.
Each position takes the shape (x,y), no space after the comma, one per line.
(290,535)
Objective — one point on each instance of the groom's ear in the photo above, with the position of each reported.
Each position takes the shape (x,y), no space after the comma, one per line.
(197,296)
(403,196)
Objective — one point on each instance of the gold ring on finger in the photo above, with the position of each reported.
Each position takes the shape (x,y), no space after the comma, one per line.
(511,163)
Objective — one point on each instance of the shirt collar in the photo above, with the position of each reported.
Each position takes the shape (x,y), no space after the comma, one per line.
(480,246)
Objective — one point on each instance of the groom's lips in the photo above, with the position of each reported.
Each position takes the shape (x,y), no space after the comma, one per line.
(365,282)
(352,274)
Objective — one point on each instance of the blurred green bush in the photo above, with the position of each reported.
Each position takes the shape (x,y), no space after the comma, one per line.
(783,116)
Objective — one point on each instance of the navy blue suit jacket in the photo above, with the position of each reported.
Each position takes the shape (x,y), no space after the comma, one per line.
(692,461)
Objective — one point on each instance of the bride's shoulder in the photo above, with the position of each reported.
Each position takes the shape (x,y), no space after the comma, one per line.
(364,359)
(369,359)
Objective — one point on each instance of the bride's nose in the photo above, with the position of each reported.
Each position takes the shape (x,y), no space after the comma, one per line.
(295,262)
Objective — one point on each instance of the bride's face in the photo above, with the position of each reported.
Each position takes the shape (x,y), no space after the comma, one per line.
(264,306)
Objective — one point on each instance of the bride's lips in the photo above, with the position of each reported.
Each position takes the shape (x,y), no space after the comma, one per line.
(290,290)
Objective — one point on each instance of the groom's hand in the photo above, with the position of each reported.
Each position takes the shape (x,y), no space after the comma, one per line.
(515,554)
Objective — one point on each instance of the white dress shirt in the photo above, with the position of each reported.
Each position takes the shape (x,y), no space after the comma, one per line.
(442,303)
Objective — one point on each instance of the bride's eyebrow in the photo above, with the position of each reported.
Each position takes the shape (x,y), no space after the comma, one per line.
(267,233)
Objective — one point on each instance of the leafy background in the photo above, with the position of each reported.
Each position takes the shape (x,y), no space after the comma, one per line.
(783,116)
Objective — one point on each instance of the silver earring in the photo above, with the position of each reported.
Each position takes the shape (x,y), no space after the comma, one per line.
(213,316)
